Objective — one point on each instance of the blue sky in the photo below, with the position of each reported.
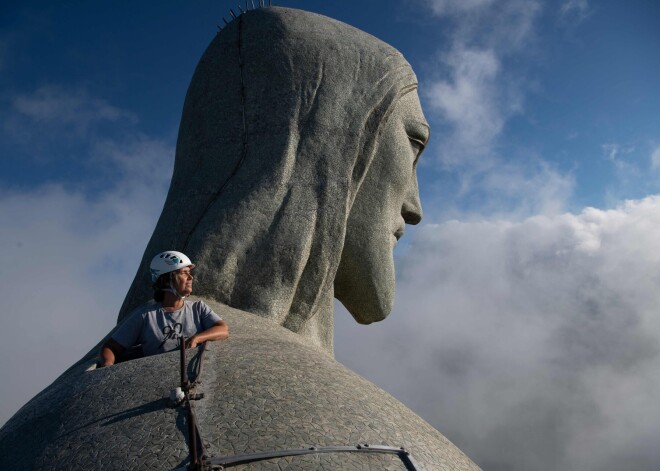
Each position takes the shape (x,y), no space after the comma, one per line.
(568,85)
(529,286)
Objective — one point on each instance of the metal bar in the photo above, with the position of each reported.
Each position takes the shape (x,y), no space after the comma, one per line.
(403,455)
(195,444)
(199,444)
(408,461)
(192,435)
(192,427)
(184,363)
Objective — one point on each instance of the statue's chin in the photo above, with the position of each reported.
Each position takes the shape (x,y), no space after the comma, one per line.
(366,288)
(369,318)
(366,309)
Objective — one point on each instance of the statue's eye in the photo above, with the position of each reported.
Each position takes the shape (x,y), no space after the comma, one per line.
(418,135)
(417,144)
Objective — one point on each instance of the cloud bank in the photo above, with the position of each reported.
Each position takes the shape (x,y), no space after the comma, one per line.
(69,254)
(474,86)
(532,344)
(474,91)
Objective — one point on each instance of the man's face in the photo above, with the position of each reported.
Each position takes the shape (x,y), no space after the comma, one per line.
(182,280)
(387,200)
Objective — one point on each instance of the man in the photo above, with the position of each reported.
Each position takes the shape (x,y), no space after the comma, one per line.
(157,326)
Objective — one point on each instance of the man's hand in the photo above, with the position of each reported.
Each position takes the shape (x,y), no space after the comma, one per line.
(110,350)
(218,331)
(192,342)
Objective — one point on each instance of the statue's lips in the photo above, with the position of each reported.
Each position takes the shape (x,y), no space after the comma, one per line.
(399,232)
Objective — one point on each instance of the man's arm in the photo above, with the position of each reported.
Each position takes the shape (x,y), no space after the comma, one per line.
(111,348)
(219,331)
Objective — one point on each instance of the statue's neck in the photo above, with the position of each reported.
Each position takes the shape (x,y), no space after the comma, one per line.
(319,328)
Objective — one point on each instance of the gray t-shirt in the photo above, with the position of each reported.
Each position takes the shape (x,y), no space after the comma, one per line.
(157,330)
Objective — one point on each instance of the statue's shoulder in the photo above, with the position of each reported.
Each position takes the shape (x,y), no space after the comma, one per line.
(219,308)
(250,326)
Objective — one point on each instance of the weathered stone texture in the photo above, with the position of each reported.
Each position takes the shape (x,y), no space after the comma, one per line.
(289,116)
(265,389)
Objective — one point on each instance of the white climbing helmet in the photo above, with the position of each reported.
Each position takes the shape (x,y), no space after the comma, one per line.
(169,261)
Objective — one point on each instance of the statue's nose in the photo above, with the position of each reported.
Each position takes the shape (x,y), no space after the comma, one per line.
(412,206)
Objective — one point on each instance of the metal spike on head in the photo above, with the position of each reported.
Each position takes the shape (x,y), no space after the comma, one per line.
(244,9)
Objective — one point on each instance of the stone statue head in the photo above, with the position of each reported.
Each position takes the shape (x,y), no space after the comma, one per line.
(295,171)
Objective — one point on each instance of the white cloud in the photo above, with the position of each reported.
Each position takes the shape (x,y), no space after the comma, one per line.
(476,87)
(655,158)
(65,127)
(55,105)
(574,11)
(68,257)
(472,93)
(621,157)
(140,159)
(468,101)
(449,7)
(629,174)
(505,189)
(537,189)
(615,152)
(67,263)
(532,344)
(505,25)
(573,6)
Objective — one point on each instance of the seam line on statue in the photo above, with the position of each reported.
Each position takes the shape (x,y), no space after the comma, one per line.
(217,194)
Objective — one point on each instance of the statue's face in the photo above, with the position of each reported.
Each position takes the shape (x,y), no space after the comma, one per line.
(387,200)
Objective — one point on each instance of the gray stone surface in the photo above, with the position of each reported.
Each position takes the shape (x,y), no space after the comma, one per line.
(265,389)
(293,156)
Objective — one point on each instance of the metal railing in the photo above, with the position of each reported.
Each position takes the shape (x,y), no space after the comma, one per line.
(199,461)
(403,455)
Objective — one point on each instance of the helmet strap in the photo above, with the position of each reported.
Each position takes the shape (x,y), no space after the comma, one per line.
(173,290)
